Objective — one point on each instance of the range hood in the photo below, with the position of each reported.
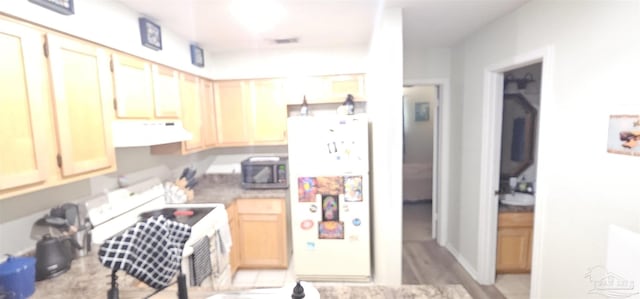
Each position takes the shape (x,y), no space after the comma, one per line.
(131,133)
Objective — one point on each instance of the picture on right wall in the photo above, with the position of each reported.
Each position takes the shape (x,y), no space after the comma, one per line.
(624,135)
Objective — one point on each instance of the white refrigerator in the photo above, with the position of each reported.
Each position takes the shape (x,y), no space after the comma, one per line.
(329,185)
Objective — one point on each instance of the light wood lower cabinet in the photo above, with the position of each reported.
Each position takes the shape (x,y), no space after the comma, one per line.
(234,255)
(515,238)
(262,233)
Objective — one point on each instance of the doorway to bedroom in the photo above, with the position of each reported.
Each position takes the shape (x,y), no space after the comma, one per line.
(419,116)
(420,104)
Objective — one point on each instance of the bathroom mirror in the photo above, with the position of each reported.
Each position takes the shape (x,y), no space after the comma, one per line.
(518,134)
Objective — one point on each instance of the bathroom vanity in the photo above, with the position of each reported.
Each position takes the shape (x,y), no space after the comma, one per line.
(515,239)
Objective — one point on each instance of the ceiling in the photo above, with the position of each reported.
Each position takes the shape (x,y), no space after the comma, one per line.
(323,23)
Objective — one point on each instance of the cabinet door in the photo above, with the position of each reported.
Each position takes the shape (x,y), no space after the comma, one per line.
(132,82)
(342,85)
(23,116)
(166,92)
(81,86)
(209,133)
(191,111)
(269,112)
(231,112)
(513,250)
(262,239)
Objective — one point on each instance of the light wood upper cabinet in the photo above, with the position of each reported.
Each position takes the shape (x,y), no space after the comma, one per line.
(82,93)
(269,112)
(166,92)
(198,117)
(23,116)
(133,87)
(324,89)
(232,112)
(340,86)
(191,111)
(209,134)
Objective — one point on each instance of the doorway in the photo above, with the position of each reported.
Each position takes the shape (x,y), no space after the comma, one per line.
(420,113)
(489,174)
(517,179)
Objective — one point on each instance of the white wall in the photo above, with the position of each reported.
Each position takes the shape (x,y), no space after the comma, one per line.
(111,24)
(289,62)
(384,89)
(582,189)
(418,135)
(421,64)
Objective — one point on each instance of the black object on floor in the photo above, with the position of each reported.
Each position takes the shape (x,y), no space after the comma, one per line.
(298,291)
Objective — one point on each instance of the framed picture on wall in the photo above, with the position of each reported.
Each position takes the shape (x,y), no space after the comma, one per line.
(197,56)
(624,134)
(422,111)
(64,7)
(150,34)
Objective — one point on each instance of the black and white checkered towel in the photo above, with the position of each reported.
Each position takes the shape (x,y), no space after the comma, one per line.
(150,251)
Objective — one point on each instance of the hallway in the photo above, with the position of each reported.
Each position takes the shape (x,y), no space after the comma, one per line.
(425,262)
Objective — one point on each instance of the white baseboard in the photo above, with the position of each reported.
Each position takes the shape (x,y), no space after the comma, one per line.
(463,262)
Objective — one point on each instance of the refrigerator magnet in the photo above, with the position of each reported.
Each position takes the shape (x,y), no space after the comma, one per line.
(313,208)
(306,224)
(330,185)
(353,188)
(307,189)
(311,245)
(330,208)
(330,230)
(356,222)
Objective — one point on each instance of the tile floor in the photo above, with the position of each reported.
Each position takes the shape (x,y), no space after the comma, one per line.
(514,286)
(263,278)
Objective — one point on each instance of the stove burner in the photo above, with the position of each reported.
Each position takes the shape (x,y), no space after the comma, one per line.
(188,216)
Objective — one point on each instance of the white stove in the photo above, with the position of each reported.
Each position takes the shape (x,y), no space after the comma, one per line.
(120,209)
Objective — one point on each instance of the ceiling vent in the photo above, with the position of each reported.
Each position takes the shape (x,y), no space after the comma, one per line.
(282,41)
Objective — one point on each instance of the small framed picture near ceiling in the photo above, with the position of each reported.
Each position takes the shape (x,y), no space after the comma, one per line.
(64,7)
(422,111)
(150,34)
(624,135)
(197,56)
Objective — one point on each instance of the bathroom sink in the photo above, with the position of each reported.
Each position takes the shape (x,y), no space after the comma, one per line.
(518,199)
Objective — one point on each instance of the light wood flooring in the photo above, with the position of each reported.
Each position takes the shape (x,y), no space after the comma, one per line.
(425,262)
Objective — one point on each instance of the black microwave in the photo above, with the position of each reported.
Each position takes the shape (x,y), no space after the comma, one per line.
(265,173)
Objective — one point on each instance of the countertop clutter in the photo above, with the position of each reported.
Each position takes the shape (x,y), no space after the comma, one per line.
(224,188)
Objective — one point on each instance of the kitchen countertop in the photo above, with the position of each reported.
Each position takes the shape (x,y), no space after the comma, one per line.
(87,278)
(502,208)
(224,188)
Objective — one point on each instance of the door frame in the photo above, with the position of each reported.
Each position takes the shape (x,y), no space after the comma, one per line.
(490,147)
(441,150)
